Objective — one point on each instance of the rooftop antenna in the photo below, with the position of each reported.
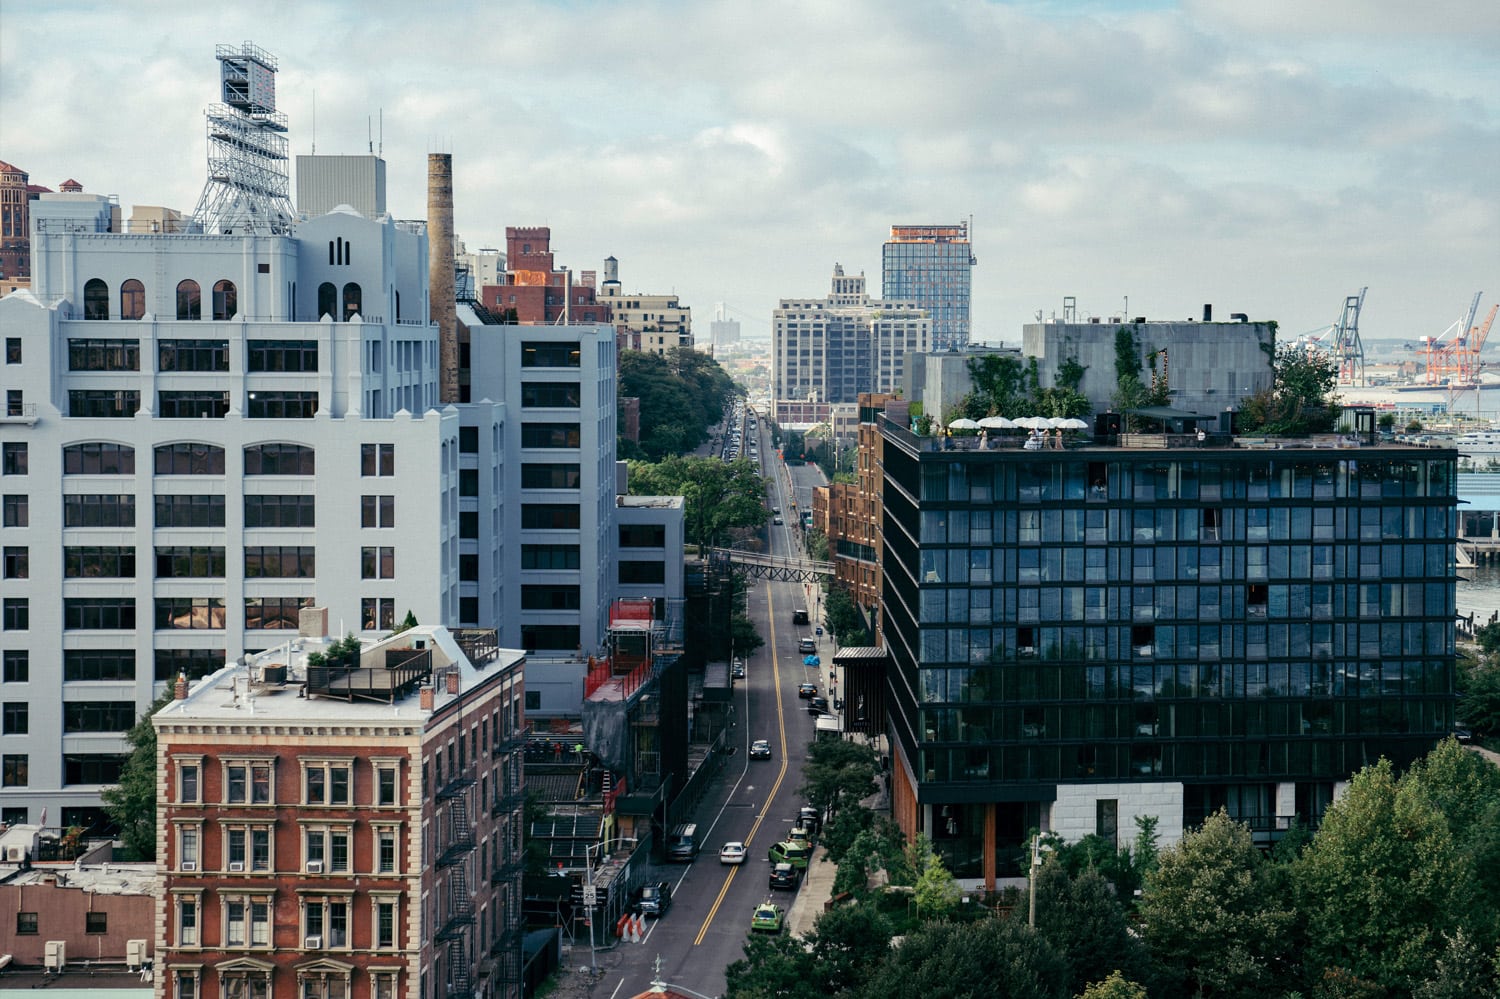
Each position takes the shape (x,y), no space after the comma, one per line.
(370,133)
(315,123)
(380,135)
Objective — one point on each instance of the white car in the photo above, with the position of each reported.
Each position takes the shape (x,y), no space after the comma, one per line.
(732,853)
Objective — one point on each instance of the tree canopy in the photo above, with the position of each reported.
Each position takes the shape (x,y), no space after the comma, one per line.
(719,496)
(1301,397)
(838,772)
(131,804)
(682,394)
(1007,386)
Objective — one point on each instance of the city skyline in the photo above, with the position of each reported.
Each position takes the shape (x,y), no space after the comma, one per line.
(1271,162)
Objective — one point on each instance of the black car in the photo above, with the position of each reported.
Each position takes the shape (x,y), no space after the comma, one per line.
(653,899)
(785,876)
(807,690)
(809,818)
(760,749)
(817,706)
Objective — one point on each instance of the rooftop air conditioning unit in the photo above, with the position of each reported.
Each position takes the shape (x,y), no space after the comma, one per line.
(135,954)
(236,866)
(15,853)
(312,943)
(315,867)
(56,955)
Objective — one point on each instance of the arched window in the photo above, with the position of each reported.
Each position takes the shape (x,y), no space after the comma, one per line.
(95,299)
(352,302)
(328,301)
(132,299)
(224,300)
(189,300)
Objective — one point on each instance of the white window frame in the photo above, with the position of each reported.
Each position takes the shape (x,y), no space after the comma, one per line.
(327,767)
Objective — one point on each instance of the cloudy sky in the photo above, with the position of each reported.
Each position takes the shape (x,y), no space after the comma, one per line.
(1268,157)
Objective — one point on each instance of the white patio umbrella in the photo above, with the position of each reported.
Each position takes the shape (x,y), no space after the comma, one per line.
(1033,422)
(1074,423)
(963,423)
(996,423)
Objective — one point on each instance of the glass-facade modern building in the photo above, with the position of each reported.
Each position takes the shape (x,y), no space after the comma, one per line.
(930,266)
(1076,638)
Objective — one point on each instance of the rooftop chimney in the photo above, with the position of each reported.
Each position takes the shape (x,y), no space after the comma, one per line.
(453,681)
(425,698)
(440,270)
(1208,312)
(180,688)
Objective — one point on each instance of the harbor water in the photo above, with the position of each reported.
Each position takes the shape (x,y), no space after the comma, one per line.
(1479,594)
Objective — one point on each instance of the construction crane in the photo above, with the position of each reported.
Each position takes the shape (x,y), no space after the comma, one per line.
(1340,341)
(1454,360)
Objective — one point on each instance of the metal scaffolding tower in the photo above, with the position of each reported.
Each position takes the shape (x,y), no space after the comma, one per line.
(247,190)
(1348,349)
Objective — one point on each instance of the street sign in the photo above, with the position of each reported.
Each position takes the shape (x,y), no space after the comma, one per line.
(820,631)
(590,896)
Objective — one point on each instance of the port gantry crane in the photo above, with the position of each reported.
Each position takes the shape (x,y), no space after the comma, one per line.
(1454,361)
(1340,341)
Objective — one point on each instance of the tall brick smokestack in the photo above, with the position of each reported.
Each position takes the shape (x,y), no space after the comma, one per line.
(440,269)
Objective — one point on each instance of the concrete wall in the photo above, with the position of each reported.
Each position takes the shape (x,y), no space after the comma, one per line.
(1075,812)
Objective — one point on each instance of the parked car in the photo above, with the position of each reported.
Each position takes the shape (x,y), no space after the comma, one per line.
(806,645)
(809,818)
(760,749)
(653,899)
(738,669)
(732,853)
(777,521)
(817,706)
(791,851)
(785,876)
(807,690)
(767,918)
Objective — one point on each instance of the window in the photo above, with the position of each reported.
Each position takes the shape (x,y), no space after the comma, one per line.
(385,850)
(468,482)
(15,718)
(99,562)
(17,666)
(247,848)
(12,350)
(280,563)
(189,300)
(15,770)
(191,663)
(385,922)
(264,405)
(377,613)
(96,922)
(190,613)
(326,848)
(353,301)
(554,395)
(468,524)
(377,563)
(377,459)
(224,300)
(13,458)
(189,838)
(643,536)
(468,610)
(94,665)
(385,785)
(185,984)
(540,354)
(377,511)
(326,783)
(550,435)
(16,614)
(112,613)
(549,516)
(99,510)
(328,921)
(98,716)
(189,458)
(26,924)
(468,567)
(132,299)
(247,782)
(99,354)
(17,510)
(17,562)
(187,921)
(533,700)
(181,405)
(192,355)
(468,440)
(103,403)
(184,562)
(550,476)
(550,598)
(549,636)
(92,768)
(328,298)
(98,458)
(187,783)
(643,572)
(247,923)
(280,459)
(190,511)
(95,299)
(275,613)
(280,511)
(15,402)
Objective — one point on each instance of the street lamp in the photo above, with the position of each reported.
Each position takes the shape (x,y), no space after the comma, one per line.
(591,893)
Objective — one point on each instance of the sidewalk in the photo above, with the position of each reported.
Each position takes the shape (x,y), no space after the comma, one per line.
(817,884)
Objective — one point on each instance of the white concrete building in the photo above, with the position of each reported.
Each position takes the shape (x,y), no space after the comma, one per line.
(830,350)
(205,434)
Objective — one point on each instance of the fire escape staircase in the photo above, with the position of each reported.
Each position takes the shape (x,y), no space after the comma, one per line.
(460,844)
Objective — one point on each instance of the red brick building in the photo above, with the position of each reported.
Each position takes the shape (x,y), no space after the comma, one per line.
(344,826)
(535,290)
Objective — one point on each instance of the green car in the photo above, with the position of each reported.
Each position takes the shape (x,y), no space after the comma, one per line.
(793,851)
(768,918)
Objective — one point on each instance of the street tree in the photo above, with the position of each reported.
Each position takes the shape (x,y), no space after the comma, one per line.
(1114,986)
(774,967)
(848,944)
(838,772)
(131,804)
(1211,918)
(1082,918)
(936,892)
(985,959)
(718,496)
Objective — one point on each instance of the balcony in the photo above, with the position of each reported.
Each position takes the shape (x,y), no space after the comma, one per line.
(403,672)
